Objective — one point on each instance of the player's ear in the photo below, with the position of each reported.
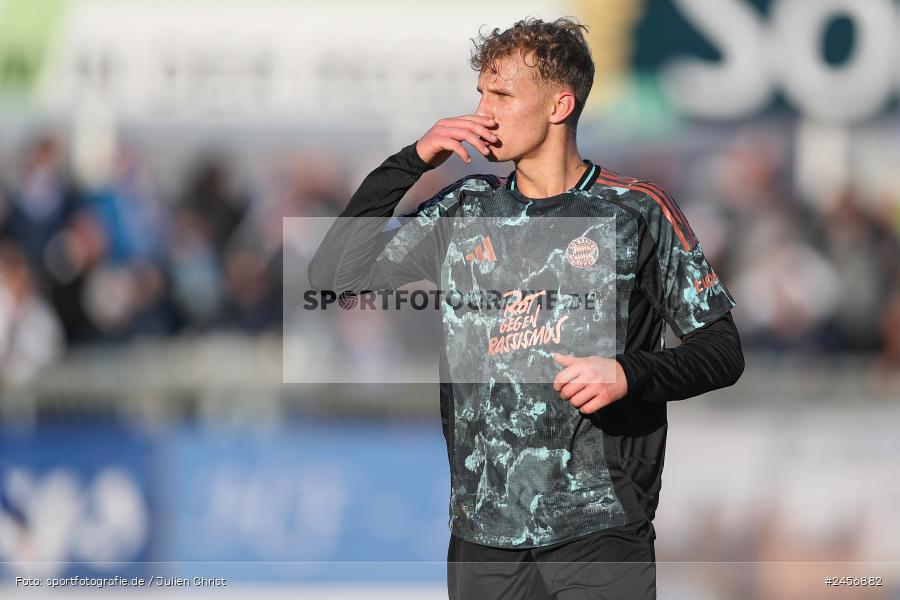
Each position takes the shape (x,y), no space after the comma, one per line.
(563,106)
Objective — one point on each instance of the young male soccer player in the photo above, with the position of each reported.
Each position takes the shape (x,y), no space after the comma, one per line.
(554,482)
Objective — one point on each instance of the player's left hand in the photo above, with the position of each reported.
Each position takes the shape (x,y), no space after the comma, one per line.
(583,381)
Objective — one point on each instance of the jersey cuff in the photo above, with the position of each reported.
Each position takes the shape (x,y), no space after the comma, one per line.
(412,159)
(636,375)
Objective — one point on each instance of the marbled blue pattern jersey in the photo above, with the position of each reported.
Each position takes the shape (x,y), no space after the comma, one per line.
(528,469)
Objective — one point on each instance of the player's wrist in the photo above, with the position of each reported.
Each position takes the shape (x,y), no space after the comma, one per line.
(629,371)
(621,383)
(414,158)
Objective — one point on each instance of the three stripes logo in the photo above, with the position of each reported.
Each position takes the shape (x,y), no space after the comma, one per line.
(483,252)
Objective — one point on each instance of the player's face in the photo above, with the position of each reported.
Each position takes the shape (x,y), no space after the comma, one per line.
(520,106)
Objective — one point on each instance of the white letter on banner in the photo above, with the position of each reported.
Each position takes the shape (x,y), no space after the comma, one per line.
(847,92)
(738,86)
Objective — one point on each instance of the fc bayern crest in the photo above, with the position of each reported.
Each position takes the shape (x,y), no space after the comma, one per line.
(582,252)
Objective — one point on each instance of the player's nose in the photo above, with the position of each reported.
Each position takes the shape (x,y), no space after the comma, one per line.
(484,110)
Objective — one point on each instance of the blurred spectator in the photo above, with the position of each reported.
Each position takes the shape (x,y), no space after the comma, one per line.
(205,222)
(124,294)
(212,195)
(31,336)
(853,240)
(72,254)
(130,212)
(41,198)
(195,270)
(793,290)
(889,322)
(253,303)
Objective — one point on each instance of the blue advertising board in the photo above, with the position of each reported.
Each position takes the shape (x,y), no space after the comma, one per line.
(75,501)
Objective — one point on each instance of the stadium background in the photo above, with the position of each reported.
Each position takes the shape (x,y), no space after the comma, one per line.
(150,150)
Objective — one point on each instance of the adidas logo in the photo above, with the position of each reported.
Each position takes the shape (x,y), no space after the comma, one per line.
(483,252)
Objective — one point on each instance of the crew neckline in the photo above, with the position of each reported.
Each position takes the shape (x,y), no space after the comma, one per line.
(585,183)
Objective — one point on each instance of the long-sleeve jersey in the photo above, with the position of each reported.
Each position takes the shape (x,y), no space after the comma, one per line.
(527,468)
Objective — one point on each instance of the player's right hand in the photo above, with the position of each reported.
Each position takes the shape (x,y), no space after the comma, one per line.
(446,137)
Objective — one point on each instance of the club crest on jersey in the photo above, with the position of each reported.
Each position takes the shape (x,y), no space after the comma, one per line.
(582,252)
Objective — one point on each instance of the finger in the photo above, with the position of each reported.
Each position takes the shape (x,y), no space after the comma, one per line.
(465,135)
(566,375)
(484,120)
(572,388)
(457,148)
(468,122)
(479,128)
(565,359)
(586,396)
(589,392)
(596,404)
(467,130)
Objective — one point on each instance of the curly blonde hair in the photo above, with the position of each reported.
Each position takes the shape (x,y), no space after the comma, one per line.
(558,51)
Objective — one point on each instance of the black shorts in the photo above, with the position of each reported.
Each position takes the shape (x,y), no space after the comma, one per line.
(616,563)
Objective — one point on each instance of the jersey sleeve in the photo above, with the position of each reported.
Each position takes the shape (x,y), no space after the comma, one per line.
(682,284)
(345,259)
(413,251)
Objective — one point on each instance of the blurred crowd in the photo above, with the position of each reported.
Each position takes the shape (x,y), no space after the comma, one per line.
(812,276)
(116,259)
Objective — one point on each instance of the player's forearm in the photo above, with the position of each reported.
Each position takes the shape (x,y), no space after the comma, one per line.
(383,188)
(709,358)
(345,260)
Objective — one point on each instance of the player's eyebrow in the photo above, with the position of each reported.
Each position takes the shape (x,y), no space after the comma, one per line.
(496,90)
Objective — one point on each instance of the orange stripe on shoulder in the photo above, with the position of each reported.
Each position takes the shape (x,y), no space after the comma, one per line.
(673,206)
(661,199)
(612,175)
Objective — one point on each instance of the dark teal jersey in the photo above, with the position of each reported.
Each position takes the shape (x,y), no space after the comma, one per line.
(527,468)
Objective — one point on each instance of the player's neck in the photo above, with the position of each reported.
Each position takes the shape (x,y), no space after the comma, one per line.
(549,171)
